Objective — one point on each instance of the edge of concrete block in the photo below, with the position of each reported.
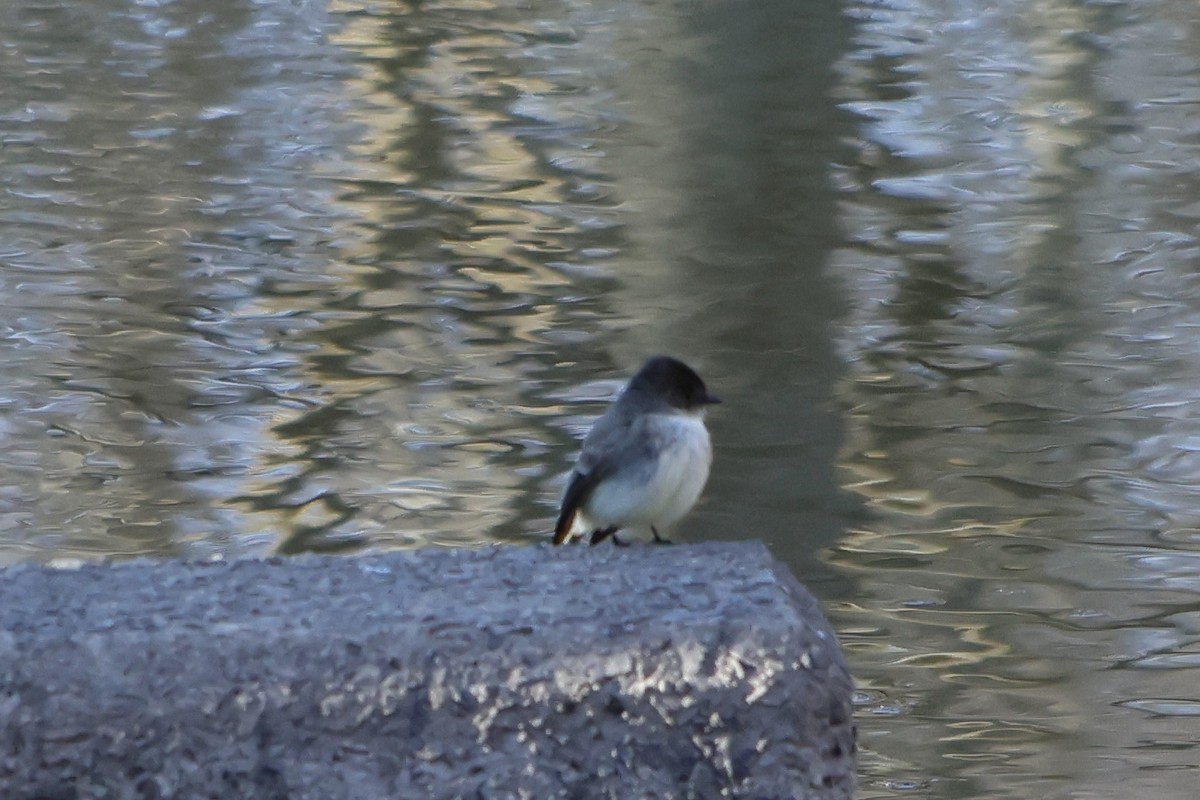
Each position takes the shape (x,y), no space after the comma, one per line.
(688,671)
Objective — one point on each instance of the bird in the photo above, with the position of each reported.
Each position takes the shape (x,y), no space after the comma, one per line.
(645,461)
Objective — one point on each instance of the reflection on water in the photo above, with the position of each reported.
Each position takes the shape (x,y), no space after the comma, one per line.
(291,273)
(1021,398)
(299,276)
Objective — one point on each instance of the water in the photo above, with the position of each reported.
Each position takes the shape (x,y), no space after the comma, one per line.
(1020,397)
(278,277)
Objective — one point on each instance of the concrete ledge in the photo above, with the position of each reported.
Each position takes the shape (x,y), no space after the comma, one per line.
(644,672)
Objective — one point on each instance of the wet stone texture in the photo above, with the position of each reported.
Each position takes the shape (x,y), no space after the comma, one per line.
(649,672)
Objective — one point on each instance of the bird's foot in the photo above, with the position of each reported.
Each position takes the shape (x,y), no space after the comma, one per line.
(600,534)
(658,539)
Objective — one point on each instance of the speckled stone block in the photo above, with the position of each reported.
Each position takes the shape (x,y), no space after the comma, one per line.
(575,672)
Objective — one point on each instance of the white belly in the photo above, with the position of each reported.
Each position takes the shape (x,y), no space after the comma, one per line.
(660,500)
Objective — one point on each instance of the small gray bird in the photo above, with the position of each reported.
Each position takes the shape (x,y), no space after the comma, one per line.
(645,461)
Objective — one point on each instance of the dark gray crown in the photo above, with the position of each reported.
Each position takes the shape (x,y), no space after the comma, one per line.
(673,381)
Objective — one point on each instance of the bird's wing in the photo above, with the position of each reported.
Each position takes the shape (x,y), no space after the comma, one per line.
(611,442)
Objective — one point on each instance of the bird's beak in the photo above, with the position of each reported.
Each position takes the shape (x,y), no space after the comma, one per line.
(711,400)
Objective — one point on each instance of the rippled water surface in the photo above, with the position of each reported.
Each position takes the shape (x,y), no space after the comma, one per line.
(284,276)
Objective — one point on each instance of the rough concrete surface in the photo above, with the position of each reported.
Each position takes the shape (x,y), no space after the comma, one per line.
(644,672)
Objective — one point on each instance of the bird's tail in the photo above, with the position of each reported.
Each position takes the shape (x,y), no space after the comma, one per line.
(562,529)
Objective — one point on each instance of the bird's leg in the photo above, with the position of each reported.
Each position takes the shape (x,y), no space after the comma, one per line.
(658,539)
(600,534)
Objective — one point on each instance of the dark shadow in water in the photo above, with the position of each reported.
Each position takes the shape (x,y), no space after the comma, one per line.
(761,134)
